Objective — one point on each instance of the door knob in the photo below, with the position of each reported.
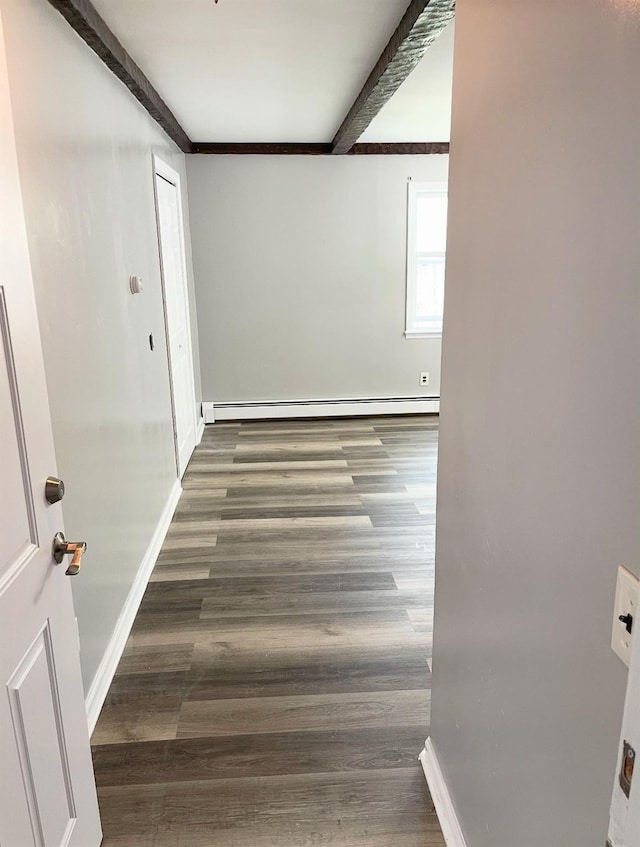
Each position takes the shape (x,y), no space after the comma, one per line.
(62,547)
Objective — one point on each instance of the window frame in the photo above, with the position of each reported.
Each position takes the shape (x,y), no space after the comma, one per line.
(414,190)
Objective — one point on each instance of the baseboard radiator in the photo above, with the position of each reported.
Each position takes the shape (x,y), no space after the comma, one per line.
(369,406)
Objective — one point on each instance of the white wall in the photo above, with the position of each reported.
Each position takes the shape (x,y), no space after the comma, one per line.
(300,273)
(85,148)
(539,471)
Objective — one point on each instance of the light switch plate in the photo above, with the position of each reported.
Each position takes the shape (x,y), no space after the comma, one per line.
(626,604)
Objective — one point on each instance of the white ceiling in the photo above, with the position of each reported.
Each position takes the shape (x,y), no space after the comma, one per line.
(278,70)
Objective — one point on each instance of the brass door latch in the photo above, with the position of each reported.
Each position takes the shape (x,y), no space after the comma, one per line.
(626,771)
(62,547)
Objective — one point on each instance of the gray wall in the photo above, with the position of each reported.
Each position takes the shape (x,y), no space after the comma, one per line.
(85,149)
(539,472)
(300,273)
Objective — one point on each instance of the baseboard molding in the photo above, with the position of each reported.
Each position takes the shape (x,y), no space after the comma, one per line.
(199,431)
(320,408)
(100,686)
(441,798)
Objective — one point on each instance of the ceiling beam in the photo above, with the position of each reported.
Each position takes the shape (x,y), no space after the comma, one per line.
(86,21)
(261,149)
(294,149)
(421,24)
(403,148)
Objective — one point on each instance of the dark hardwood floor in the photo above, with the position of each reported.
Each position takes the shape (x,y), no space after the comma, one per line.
(274,691)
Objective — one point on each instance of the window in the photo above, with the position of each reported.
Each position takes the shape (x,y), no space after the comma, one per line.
(426,245)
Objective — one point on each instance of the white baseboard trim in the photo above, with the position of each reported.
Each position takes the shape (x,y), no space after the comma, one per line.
(102,680)
(441,798)
(200,431)
(320,408)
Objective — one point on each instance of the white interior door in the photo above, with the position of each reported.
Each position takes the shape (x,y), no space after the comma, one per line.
(176,307)
(624,824)
(47,790)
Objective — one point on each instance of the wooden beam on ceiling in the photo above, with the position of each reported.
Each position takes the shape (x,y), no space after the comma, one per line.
(86,21)
(261,149)
(293,149)
(402,148)
(421,24)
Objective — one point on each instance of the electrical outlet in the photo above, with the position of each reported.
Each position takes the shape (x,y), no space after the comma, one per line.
(625,614)
(424,378)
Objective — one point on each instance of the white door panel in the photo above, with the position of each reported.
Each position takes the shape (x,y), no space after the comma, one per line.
(176,304)
(47,790)
(17,522)
(40,752)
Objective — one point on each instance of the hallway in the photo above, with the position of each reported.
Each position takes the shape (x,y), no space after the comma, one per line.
(274,691)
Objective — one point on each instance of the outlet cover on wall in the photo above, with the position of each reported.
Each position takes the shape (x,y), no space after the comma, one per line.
(424,378)
(625,615)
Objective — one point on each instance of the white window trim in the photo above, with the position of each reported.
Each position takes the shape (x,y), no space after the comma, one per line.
(413,189)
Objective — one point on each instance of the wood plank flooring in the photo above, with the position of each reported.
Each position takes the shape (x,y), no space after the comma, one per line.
(274,690)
